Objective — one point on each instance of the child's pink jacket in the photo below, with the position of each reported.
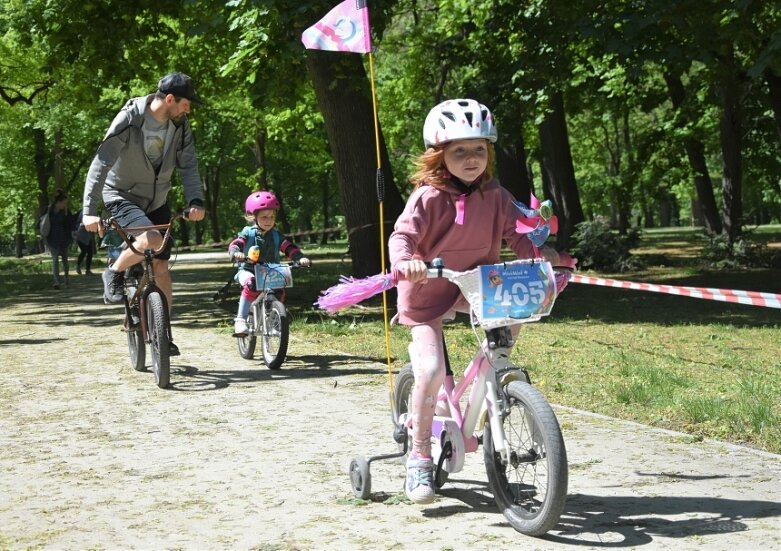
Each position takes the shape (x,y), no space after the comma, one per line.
(427,229)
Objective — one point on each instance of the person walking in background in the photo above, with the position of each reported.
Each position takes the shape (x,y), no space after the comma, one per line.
(86,242)
(58,240)
(132,174)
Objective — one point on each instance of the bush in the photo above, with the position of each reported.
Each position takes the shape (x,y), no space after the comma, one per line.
(745,252)
(600,248)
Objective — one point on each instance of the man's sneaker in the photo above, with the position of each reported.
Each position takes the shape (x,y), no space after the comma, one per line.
(173,350)
(240,327)
(419,485)
(113,286)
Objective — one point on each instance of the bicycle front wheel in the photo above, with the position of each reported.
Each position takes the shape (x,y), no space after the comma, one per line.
(275,332)
(159,341)
(136,346)
(531,489)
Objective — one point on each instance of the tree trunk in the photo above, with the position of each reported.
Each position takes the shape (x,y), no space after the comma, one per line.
(59,162)
(260,156)
(19,241)
(695,151)
(513,169)
(774,87)
(324,180)
(730,129)
(559,171)
(43,169)
(344,98)
(211,200)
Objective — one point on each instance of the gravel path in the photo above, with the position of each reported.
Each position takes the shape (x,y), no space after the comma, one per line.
(94,456)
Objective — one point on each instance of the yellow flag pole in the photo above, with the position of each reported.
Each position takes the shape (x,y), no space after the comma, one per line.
(381,198)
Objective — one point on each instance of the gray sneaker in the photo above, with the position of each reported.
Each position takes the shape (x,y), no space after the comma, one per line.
(113,286)
(419,485)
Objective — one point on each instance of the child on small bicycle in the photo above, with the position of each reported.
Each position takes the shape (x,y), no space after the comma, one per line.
(260,210)
(459,212)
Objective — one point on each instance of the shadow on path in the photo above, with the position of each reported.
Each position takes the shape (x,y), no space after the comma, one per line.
(192,379)
(625,521)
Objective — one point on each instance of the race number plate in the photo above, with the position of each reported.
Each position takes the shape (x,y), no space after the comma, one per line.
(517,291)
(273,276)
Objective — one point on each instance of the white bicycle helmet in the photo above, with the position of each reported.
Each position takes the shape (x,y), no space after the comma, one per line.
(458,119)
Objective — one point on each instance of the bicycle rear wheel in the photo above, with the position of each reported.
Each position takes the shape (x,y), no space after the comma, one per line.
(247,343)
(531,489)
(402,393)
(275,332)
(159,341)
(402,396)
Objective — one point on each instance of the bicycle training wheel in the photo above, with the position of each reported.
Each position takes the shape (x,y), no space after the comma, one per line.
(159,342)
(275,332)
(135,343)
(532,488)
(360,477)
(247,343)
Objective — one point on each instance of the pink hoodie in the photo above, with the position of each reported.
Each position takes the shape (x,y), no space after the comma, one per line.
(427,229)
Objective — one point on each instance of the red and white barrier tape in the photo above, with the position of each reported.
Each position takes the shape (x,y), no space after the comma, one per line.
(754,298)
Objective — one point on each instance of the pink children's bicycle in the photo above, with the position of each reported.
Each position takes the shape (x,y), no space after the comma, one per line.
(523,448)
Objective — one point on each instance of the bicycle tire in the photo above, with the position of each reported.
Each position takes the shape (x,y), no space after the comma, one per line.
(531,490)
(135,340)
(159,341)
(275,333)
(402,392)
(247,343)
(136,348)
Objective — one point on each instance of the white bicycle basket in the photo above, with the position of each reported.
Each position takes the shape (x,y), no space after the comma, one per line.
(509,293)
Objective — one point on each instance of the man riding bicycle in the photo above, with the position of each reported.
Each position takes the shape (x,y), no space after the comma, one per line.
(131,173)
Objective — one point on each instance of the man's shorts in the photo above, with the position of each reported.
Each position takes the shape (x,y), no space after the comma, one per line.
(130,215)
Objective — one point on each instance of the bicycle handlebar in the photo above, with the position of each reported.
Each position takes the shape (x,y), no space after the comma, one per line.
(436,269)
(111,223)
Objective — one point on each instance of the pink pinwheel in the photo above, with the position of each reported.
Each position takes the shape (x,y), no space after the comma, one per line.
(538,221)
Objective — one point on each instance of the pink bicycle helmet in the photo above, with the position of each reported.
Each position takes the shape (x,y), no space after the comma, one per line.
(458,119)
(260,200)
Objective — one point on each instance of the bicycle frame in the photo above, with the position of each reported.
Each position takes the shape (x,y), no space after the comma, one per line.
(264,274)
(459,425)
(146,283)
(265,296)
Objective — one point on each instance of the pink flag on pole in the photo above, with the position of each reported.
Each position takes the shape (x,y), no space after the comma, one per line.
(344,29)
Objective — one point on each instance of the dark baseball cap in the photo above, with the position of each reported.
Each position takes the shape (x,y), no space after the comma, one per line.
(181,86)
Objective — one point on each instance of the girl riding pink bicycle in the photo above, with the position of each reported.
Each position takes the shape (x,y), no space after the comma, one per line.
(458,212)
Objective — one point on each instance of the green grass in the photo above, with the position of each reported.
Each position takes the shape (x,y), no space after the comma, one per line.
(706,368)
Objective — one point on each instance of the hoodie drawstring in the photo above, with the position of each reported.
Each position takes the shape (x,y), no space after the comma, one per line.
(461,208)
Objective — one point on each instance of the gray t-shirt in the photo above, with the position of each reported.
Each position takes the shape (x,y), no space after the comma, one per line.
(155,142)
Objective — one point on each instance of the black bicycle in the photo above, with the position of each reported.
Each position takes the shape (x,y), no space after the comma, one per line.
(147,320)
